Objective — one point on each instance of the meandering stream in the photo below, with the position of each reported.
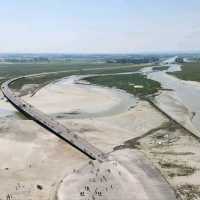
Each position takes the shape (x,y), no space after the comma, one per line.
(186,91)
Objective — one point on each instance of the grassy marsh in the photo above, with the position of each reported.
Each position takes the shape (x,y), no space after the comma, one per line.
(190,71)
(136,84)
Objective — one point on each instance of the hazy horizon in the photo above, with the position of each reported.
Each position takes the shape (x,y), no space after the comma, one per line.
(100,27)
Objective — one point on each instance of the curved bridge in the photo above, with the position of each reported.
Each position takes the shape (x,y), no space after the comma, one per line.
(50,124)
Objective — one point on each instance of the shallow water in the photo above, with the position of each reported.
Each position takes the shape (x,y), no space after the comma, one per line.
(10,114)
(7,111)
(187,92)
(127,101)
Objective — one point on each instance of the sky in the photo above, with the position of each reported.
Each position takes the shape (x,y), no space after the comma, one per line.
(99,26)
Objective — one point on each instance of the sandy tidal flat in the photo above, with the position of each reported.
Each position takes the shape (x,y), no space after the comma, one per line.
(35,162)
(67,97)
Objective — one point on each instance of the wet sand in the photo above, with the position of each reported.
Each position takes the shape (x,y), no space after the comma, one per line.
(41,160)
(70,100)
(186,91)
(34,161)
(122,177)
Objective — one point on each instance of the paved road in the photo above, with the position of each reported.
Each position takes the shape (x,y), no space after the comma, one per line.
(50,124)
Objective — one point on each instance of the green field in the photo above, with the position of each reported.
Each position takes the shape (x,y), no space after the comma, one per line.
(127,82)
(190,71)
(62,70)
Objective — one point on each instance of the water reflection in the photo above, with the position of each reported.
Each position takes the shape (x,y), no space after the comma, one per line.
(188,92)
